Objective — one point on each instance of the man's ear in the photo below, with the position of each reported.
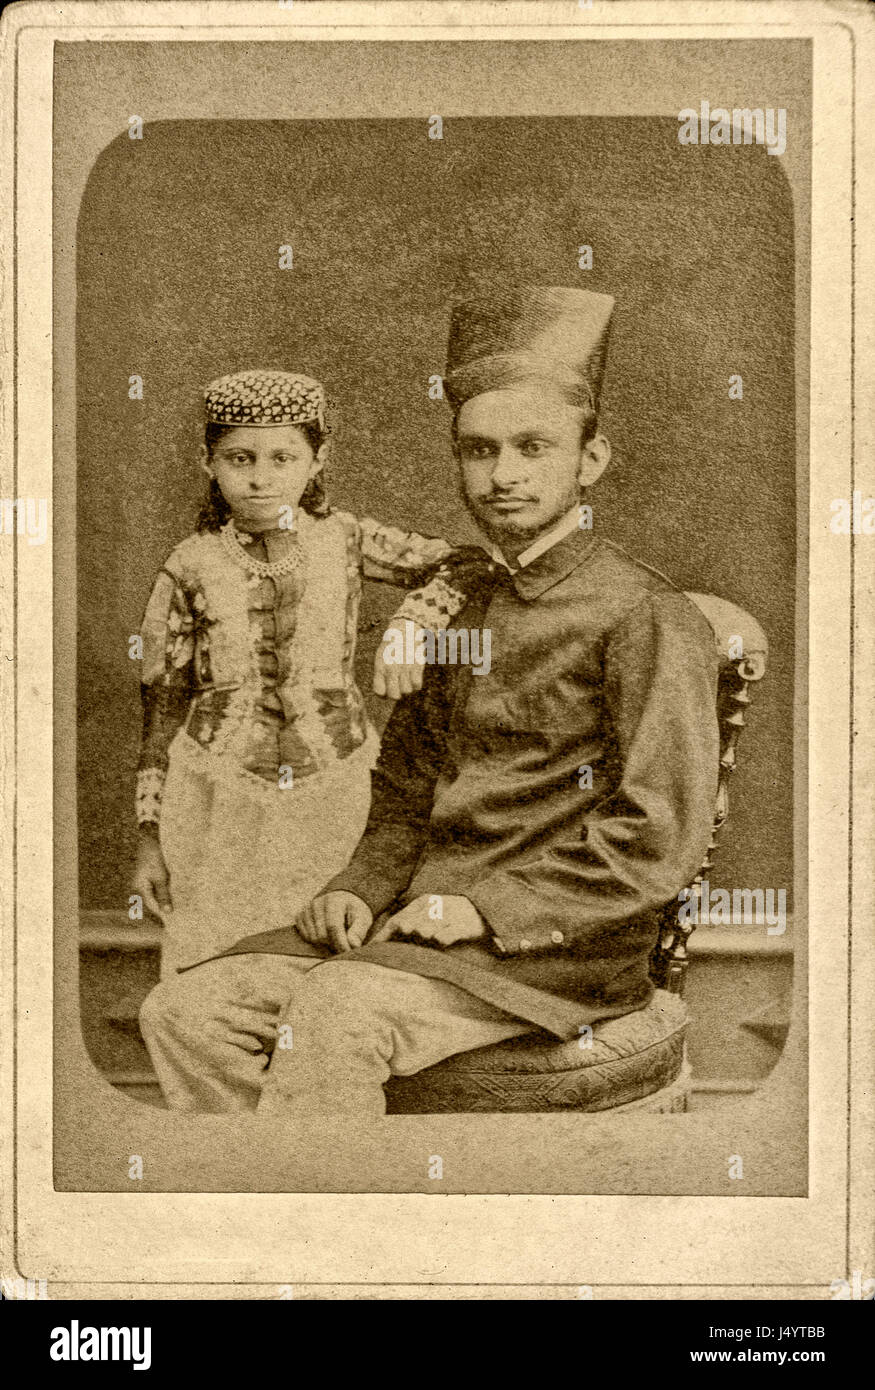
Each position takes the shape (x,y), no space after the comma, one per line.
(203,455)
(594,459)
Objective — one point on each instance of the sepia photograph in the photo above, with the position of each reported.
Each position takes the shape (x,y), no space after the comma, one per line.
(465,371)
(541,827)
(434,437)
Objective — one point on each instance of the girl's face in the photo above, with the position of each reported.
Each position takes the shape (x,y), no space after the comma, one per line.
(261,470)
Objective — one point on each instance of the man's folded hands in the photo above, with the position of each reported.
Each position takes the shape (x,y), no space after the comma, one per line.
(439,920)
(341,921)
(338,920)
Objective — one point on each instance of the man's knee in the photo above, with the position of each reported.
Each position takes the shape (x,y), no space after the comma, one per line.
(345,997)
(178,1003)
(157,1007)
(202,1000)
(338,991)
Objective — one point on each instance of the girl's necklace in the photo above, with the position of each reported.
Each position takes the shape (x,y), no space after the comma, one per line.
(264,569)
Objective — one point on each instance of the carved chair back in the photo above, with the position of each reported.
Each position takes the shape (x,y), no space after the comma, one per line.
(743,650)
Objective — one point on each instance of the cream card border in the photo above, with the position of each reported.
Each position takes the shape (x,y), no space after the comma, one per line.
(414,1244)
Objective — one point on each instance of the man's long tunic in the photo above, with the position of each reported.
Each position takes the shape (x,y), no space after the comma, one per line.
(568,794)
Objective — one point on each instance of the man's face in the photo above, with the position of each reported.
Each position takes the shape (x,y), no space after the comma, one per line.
(520,455)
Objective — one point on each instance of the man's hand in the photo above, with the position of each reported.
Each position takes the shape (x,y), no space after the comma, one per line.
(435,918)
(394,679)
(338,920)
(151,879)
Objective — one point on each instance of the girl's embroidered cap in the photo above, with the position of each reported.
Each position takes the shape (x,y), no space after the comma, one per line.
(264,398)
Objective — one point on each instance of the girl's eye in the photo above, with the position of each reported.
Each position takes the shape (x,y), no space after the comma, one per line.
(535,448)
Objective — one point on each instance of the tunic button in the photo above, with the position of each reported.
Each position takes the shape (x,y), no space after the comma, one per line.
(557,938)
(525,945)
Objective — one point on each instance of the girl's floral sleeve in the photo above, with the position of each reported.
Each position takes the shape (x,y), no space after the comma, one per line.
(168,652)
(399,557)
(441,576)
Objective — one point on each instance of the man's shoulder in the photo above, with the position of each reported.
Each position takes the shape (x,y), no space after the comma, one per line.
(611,560)
(620,587)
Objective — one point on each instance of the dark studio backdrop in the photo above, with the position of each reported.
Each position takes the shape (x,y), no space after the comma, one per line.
(178,282)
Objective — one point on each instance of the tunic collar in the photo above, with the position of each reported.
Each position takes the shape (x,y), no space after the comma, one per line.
(550,558)
(569,522)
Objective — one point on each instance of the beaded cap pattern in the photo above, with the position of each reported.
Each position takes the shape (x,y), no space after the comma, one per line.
(261,397)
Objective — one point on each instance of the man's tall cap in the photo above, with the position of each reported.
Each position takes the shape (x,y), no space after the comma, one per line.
(528,332)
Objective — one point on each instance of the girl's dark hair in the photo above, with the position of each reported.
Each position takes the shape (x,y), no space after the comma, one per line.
(314,500)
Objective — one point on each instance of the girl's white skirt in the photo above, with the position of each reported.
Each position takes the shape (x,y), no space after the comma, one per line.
(245,855)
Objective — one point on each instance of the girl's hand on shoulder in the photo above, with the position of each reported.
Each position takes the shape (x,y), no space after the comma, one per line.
(394,677)
(151,879)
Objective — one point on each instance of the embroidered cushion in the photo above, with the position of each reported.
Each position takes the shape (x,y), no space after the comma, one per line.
(629,1057)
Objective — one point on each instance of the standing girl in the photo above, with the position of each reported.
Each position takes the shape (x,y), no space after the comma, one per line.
(254,778)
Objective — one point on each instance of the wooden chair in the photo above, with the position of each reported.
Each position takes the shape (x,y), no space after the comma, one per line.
(633,1063)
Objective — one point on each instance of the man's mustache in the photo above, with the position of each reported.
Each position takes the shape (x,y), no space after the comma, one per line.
(488,497)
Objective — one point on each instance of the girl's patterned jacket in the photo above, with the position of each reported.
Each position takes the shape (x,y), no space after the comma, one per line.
(259,672)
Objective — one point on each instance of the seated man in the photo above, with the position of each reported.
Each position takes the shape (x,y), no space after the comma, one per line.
(528,821)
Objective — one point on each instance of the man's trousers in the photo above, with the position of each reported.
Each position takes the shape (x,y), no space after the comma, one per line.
(290,1034)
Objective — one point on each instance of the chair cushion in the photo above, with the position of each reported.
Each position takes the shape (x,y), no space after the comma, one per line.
(629,1057)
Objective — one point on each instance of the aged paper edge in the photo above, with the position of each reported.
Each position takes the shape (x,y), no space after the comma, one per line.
(858,1151)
